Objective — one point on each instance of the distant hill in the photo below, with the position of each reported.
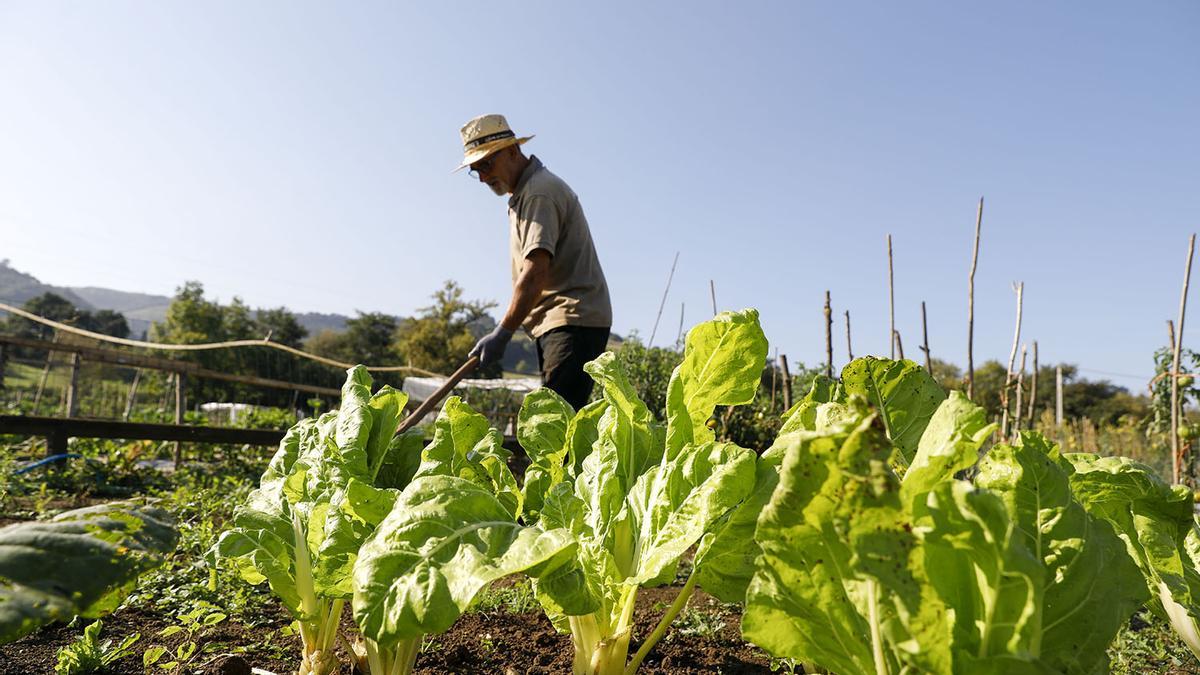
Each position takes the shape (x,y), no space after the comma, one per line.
(140,309)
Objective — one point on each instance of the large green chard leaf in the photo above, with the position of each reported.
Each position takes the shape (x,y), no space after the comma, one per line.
(725,558)
(978,562)
(722,365)
(542,431)
(627,429)
(1093,585)
(802,416)
(675,503)
(1154,520)
(582,433)
(950,443)
(81,562)
(840,582)
(464,445)
(904,394)
(444,540)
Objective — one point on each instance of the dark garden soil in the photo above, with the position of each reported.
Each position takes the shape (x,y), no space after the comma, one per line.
(491,642)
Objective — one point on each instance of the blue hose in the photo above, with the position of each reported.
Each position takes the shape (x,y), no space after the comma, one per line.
(46,460)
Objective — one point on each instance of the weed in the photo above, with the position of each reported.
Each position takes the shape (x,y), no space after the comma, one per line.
(88,655)
(516,598)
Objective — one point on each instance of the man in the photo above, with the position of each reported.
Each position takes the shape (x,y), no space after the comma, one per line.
(559,293)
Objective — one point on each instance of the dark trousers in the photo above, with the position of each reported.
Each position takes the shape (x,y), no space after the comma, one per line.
(561,354)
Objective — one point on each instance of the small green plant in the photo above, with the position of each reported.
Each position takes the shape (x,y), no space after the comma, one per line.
(694,622)
(88,655)
(193,624)
(516,598)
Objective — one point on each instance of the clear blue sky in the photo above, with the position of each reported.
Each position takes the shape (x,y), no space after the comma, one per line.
(299,154)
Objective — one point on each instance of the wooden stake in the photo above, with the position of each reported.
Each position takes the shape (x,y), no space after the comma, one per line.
(1176,452)
(891,298)
(1012,359)
(1058,407)
(663,303)
(787,383)
(828,337)
(712,290)
(1033,385)
(1020,390)
(132,397)
(849,348)
(180,402)
(925,335)
(971,305)
(72,387)
(899,345)
(3,363)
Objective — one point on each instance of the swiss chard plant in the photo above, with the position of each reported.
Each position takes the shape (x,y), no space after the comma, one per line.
(82,562)
(330,483)
(1158,526)
(611,501)
(873,558)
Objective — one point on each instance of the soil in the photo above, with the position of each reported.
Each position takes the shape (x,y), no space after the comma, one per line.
(492,642)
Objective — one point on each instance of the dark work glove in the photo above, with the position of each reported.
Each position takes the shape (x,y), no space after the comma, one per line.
(490,347)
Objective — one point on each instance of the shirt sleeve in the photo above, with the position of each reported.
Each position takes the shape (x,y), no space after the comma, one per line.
(542,225)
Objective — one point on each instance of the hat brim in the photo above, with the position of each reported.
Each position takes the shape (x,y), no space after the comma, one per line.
(486,149)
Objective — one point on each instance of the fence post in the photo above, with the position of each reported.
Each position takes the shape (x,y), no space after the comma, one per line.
(73,387)
(3,363)
(1058,408)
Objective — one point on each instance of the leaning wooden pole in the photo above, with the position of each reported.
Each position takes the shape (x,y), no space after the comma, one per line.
(849,347)
(971,305)
(180,406)
(1012,360)
(133,391)
(891,299)
(925,338)
(899,343)
(712,291)
(663,302)
(774,378)
(1175,450)
(828,337)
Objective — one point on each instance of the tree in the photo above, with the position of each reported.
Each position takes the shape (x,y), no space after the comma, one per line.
(105,321)
(281,325)
(47,305)
(440,337)
(369,338)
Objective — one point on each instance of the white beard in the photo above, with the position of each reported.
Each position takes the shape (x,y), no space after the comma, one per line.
(499,187)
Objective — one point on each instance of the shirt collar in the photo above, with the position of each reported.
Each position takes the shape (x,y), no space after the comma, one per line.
(533,167)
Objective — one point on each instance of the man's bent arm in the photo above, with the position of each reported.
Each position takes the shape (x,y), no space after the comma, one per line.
(535,274)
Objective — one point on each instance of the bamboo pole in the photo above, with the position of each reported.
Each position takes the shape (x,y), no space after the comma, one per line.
(828,337)
(679,333)
(899,344)
(971,305)
(712,290)
(925,336)
(774,377)
(1012,359)
(1058,396)
(1020,391)
(1033,385)
(891,299)
(849,348)
(1175,411)
(37,398)
(663,302)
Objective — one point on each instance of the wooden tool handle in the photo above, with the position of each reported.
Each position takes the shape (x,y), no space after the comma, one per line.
(437,396)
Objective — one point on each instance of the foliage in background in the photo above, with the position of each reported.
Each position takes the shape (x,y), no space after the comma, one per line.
(439,337)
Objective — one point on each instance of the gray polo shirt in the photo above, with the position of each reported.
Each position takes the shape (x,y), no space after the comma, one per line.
(545,213)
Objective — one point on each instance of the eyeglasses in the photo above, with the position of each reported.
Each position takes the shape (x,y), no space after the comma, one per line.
(482,166)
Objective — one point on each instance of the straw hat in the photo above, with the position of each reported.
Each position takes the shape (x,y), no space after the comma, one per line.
(484,135)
